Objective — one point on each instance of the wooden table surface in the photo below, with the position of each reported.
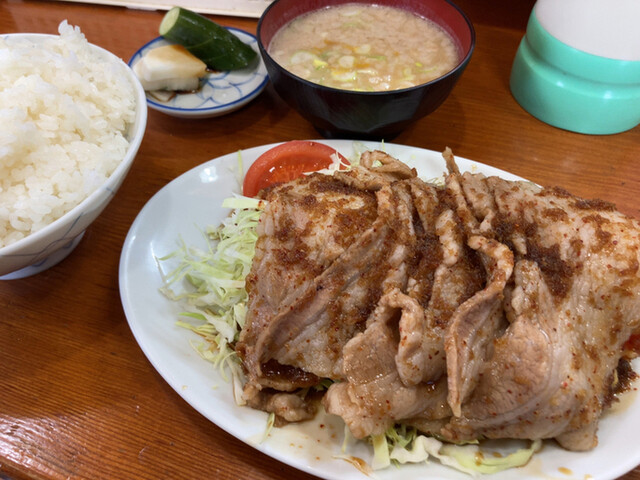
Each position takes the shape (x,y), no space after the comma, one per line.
(78,399)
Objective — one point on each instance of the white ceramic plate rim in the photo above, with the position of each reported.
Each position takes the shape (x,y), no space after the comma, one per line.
(259,71)
(187,205)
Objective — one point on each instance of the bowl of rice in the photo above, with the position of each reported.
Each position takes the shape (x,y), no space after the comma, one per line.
(73,116)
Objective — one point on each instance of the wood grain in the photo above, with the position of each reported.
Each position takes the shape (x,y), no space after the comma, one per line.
(78,399)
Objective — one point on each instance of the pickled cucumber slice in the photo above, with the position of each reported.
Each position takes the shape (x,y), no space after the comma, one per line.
(211,43)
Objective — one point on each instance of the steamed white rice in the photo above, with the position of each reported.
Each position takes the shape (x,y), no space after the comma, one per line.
(64,115)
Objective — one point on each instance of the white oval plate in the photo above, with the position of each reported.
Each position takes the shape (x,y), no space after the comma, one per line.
(220,92)
(191,202)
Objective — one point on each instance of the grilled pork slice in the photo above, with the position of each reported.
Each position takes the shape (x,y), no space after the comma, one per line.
(572,303)
(326,252)
(482,309)
(306,226)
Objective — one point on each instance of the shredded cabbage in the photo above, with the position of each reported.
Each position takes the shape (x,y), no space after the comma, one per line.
(211,283)
(474,459)
(401,445)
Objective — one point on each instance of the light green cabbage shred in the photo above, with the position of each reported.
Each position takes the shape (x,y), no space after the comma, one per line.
(211,283)
(402,445)
(475,459)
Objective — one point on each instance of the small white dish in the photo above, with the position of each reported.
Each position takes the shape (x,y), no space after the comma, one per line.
(220,92)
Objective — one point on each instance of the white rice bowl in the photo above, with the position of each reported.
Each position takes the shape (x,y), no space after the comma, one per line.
(71,117)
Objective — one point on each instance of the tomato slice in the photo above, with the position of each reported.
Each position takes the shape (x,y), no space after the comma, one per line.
(286,162)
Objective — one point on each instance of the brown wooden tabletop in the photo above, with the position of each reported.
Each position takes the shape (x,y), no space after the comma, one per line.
(78,399)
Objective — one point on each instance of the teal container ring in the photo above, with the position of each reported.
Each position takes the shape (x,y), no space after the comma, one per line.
(571,89)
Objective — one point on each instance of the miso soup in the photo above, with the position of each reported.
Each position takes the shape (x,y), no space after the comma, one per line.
(364,47)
